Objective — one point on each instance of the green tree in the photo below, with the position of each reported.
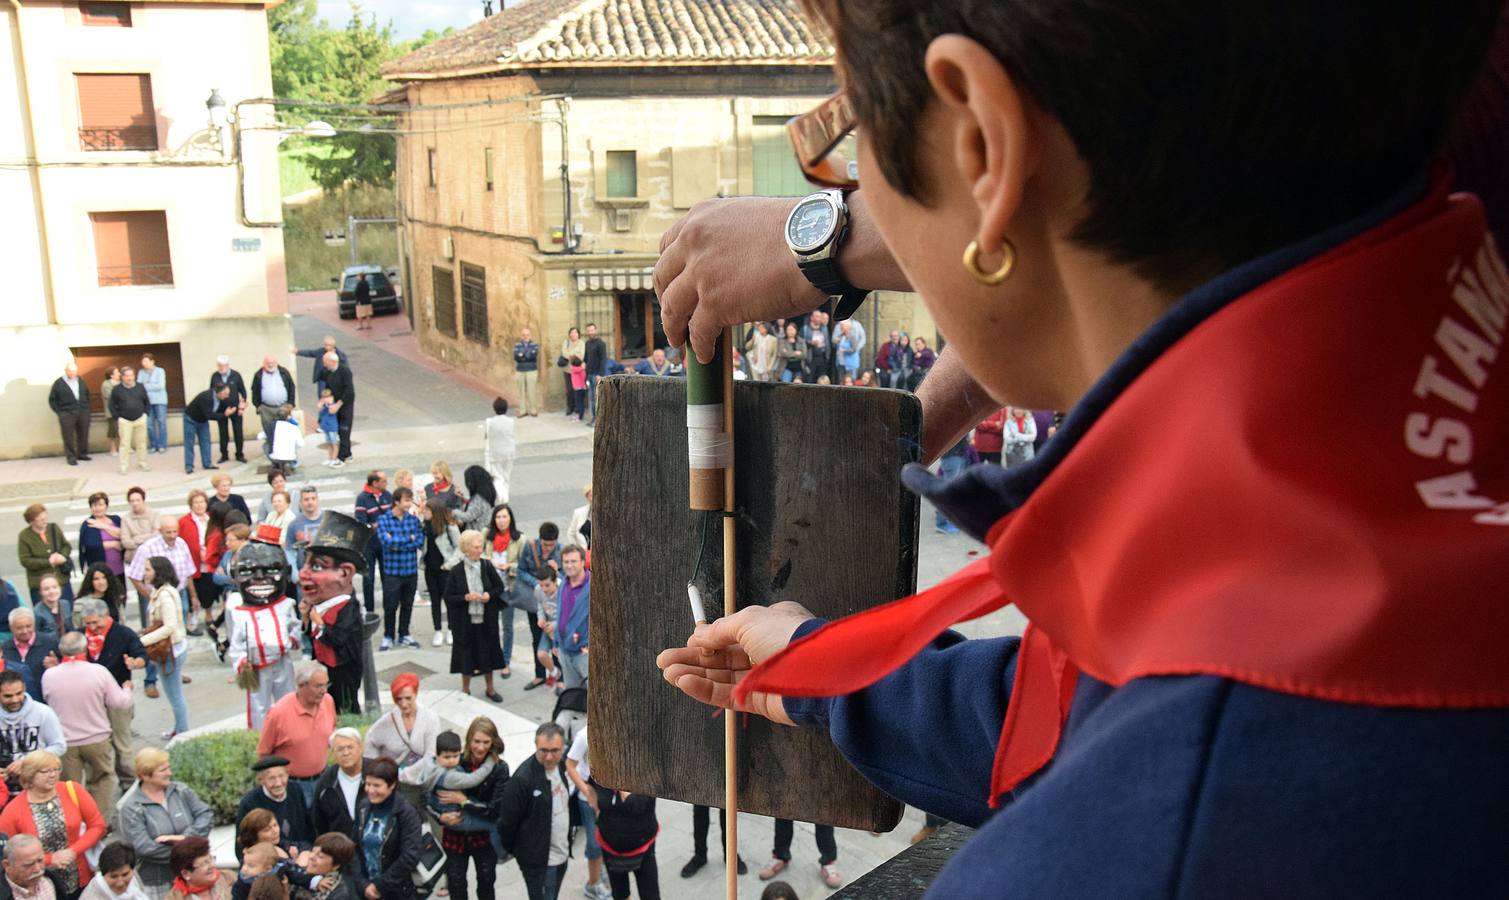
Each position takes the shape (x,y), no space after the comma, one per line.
(312,61)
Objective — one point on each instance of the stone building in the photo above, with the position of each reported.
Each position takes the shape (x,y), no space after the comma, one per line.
(135,219)
(546,148)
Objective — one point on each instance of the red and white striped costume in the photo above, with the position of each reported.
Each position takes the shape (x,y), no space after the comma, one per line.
(264,636)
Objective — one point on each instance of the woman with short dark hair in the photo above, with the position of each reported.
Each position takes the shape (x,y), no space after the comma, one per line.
(389,835)
(1248,643)
(194,874)
(333,860)
(100,536)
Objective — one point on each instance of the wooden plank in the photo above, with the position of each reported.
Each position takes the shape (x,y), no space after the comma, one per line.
(823,520)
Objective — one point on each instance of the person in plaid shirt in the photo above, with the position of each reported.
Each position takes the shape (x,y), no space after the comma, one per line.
(168,544)
(176,549)
(401,534)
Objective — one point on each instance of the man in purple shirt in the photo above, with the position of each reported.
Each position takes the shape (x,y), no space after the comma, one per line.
(571,621)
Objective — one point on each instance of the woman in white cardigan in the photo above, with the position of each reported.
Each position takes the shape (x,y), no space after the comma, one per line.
(406,734)
(165,612)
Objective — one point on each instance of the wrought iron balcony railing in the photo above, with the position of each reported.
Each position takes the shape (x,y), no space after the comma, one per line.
(129,137)
(118,276)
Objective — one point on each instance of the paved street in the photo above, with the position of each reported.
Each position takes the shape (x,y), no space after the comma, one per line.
(409,413)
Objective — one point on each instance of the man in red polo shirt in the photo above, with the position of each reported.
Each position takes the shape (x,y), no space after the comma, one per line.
(298,727)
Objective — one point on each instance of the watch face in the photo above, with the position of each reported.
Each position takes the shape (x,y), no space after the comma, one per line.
(810,224)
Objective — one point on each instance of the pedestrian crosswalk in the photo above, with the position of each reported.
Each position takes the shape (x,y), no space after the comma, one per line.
(337,492)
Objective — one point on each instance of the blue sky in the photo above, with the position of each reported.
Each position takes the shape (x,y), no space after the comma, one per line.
(410,18)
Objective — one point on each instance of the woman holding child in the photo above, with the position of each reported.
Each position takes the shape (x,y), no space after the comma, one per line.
(466,835)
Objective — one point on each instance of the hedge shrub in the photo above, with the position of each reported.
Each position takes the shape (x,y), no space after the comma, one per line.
(218,766)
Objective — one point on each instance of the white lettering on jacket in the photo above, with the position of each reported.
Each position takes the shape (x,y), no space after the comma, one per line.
(1465,359)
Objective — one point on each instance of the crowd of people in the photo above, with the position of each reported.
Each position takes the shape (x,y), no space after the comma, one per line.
(135,404)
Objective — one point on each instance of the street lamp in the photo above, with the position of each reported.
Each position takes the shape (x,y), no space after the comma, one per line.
(217,109)
(318,129)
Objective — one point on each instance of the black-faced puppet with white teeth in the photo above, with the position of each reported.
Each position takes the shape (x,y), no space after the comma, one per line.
(264,623)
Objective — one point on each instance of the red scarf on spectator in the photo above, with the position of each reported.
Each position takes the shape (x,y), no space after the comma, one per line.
(501,541)
(1355,555)
(96,642)
(185,888)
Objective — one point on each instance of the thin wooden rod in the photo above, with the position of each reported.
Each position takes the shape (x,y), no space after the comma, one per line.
(730,606)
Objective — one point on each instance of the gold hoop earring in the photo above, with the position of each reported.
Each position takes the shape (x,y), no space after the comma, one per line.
(972,263)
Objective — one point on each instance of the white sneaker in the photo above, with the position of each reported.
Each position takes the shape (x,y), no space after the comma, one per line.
(437,640)
(449,637)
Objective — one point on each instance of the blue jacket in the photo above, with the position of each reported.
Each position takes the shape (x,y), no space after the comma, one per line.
(31,667)
(1194,786)
(156,383)
(571,634)
(92,543)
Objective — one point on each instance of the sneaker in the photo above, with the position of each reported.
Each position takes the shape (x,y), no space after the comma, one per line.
(337,464)
(387,644)
(693,866)
(409,642)
(449,637)
(776,867)
(169,735)
(437,640)
(743,869)
(550,680)
(830,875)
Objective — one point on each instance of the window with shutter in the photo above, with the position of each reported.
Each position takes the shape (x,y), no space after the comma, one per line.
(776,173)
(108,15)
(116,112)
(623,173)
(445,301)
(474,303)
(131,248)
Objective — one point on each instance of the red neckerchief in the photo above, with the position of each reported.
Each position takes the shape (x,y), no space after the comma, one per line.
(77,658)
(441,486)
(318,622)
(183,887)
(1321,510)
(501,541)
(96,642)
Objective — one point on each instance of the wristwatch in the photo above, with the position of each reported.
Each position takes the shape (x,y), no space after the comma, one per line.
(815,230)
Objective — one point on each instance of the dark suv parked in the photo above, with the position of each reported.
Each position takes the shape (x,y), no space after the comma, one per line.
(384,293)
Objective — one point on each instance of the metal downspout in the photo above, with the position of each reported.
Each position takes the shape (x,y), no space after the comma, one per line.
(32,167)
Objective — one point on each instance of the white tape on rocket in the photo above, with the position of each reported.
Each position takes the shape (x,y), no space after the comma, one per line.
(708,448)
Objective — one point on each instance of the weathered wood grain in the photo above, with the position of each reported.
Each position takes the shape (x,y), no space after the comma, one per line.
(823,519)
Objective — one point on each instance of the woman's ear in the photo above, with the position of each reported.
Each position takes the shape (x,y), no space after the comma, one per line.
(990,130)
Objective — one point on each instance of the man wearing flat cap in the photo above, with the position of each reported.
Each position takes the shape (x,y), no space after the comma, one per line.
(272,794)
(332,621)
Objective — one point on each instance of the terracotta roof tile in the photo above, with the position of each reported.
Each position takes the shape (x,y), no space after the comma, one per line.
(623,33)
